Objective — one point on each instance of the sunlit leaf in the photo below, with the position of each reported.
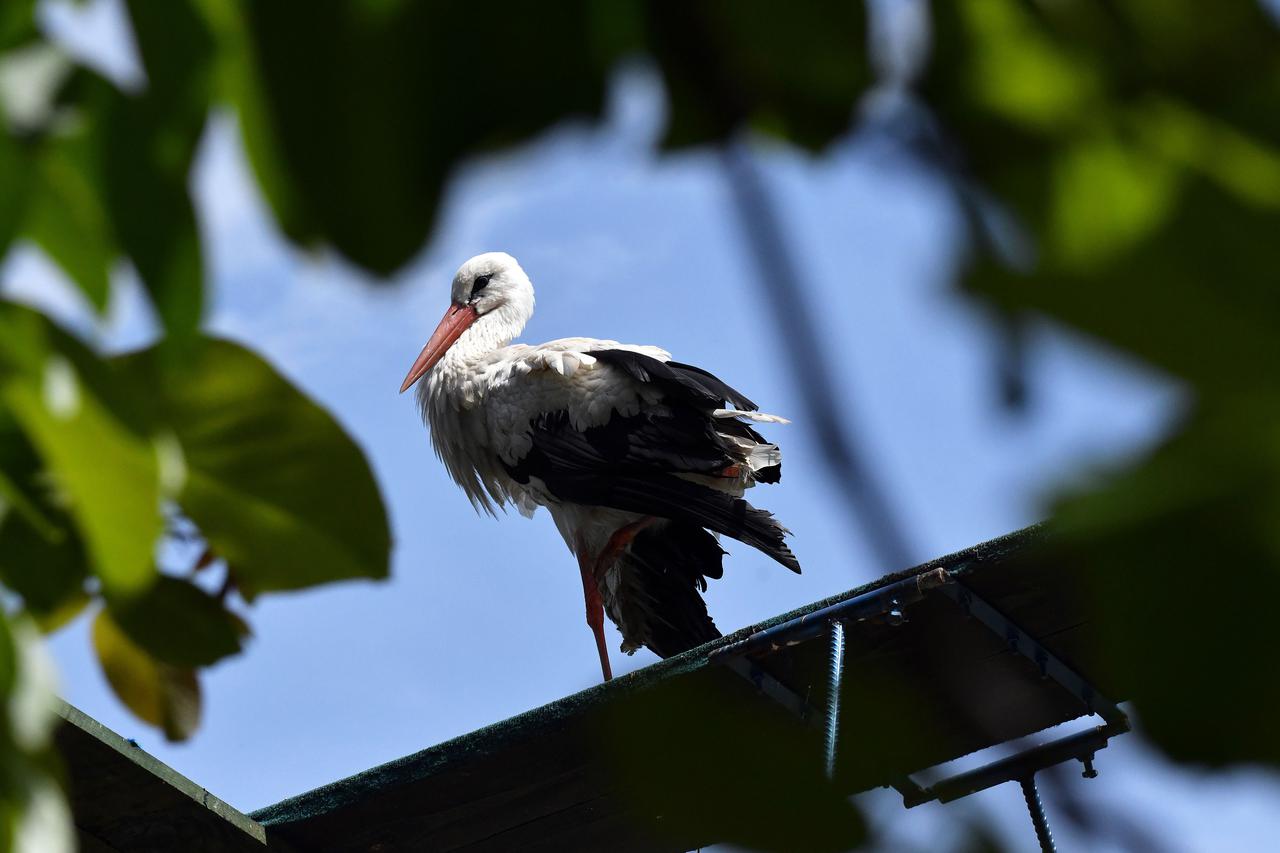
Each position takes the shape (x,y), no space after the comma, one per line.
(178,623)
(165,696)
(274,484)
(108,474)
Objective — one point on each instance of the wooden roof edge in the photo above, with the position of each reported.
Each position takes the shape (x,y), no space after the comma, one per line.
(492,738)
(130,752)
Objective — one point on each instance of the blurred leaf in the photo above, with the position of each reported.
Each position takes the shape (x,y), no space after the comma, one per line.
(64,613)
(19,472)
(15,185)
(1157,545)
(178,623)
(272,481)
(1138,144)
(67,218)
(139,149)
(795,70)
(680,754)
(32,78)
(1197,300)
(33,811)
(355,112)
(165,696)
(45,571)
(17,23)
(145,161)
(57,391)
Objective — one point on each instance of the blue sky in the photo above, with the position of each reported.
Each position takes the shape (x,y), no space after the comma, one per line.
(483,619)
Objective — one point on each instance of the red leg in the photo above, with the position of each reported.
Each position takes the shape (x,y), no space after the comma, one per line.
(595,610)
(620,539)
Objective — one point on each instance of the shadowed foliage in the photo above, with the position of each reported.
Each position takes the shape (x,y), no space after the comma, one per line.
(1119,161)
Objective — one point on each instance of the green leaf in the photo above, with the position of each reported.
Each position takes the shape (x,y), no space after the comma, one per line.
(369,183)
(178,623)
(795,70)
(46,572)
(57,392)
(139,152)
(272,481)
(17,23)
(1138,146)
(145,156)
(64,613)
(15,189)
(68,220)
(1154,546)
(164,696)
(1149,179)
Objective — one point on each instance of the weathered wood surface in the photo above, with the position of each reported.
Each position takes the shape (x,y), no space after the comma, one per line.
(916,694)
(126,800)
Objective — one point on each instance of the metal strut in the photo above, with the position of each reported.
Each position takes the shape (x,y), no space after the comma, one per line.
(1024,765)
(889,602)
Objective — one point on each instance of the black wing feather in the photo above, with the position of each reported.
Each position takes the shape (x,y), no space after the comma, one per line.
(626,463)
(683,380)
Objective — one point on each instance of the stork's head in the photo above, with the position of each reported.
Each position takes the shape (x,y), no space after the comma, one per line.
(492,295)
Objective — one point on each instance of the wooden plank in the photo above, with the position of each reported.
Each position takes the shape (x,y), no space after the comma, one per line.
(123,798)
(916,694)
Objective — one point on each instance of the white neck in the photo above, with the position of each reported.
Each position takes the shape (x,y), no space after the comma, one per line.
(489,332)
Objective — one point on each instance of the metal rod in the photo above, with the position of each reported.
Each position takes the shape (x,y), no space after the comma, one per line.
(1076,747)
(876,602)
(833,695)
(1038,819)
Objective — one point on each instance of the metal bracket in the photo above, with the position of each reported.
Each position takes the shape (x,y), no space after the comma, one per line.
(1022,643)
(1024,765)
(774,689)
(886,602)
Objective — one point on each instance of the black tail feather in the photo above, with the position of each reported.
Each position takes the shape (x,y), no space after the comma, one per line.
(667,568)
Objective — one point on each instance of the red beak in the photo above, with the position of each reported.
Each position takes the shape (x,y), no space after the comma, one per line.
(452,325)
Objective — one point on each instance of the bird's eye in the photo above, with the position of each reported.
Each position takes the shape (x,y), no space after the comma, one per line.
(480,283)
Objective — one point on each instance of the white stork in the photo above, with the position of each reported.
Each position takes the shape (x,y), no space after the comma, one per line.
(635,456)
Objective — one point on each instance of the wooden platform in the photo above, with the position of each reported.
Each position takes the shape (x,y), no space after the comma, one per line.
(689,751)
